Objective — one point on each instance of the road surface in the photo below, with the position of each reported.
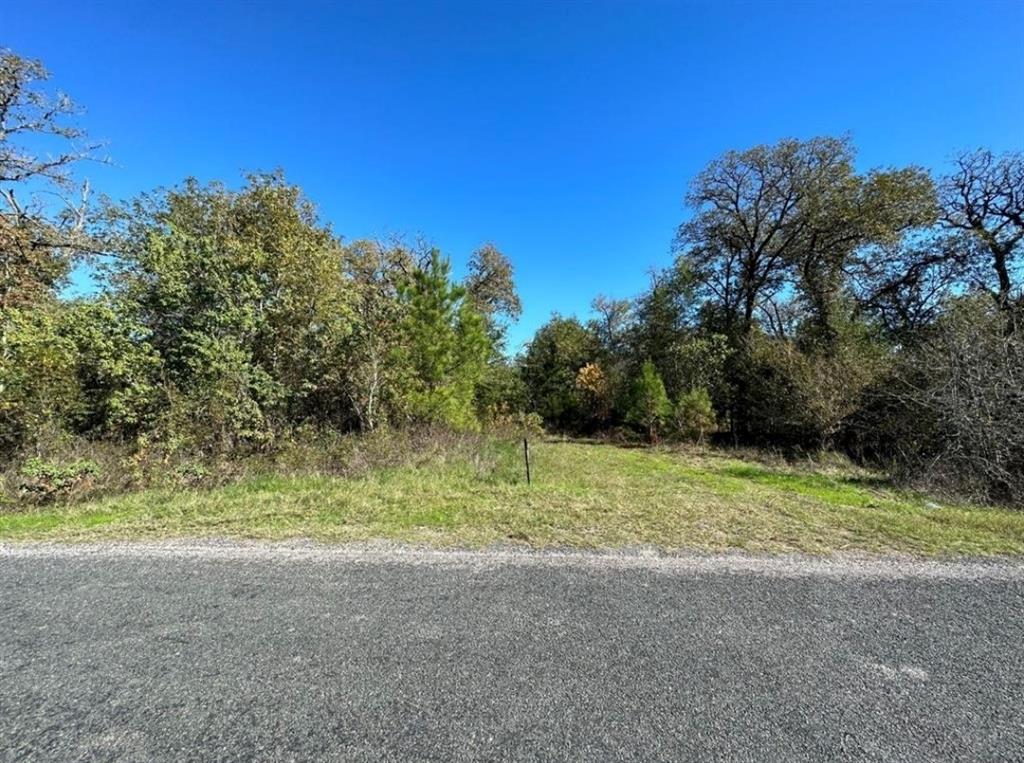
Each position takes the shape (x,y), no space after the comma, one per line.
(235,652)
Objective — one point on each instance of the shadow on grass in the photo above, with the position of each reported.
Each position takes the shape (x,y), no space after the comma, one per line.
(768,476)
(625,445)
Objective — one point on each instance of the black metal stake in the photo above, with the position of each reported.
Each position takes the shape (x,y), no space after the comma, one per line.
(526,456)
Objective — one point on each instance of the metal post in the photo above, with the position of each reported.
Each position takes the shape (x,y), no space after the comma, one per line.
(526,456)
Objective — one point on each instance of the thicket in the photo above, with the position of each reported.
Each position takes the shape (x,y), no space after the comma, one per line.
(812,306)
(809,306)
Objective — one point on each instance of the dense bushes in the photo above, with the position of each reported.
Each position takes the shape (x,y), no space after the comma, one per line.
(951,413)
(810,306)
(77,468)
(229,317)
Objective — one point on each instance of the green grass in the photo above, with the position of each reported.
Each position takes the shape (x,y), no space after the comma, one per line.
(584,495)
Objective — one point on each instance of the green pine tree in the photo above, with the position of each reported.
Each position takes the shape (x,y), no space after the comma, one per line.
(650,406)
(446,346)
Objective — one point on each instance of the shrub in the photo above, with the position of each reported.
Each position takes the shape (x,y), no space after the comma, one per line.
(955,408)
(43,481)
(191,474)
(38,389)
(504,422)
(792,398)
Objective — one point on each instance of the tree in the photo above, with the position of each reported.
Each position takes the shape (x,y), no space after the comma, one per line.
(445,345)
(663,321)
(243,296)
(559,349)
(611,324)
(500,391)
(952,410)
(42,230)
(904,285)
(650,406)
(117,371)
(369,378)
(38,388)
(776,233)
(491,290)
(42,224)
(750,222)
(865,212)
(693,414)
(595,391)
(984,197)
(700,363)
(793,214)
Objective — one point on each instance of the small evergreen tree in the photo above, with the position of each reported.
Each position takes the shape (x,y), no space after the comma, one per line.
(446,346)
(694,414)
(649,407)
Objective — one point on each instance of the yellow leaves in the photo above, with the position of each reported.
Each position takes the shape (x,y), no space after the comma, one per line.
(591,379)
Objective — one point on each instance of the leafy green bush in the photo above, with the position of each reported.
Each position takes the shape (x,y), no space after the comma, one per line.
(43,481)
(37,381)
(191,474)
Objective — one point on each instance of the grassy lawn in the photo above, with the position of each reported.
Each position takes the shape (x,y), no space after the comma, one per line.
(584,495)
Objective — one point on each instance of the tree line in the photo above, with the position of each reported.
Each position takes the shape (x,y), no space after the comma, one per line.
(813,306)
(809,305)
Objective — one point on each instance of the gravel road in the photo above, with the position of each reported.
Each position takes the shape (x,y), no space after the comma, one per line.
(223,651)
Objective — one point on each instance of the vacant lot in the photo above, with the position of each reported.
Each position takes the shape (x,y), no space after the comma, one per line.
(583,495)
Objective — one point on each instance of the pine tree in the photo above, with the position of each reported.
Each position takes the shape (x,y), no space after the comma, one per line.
(446,346)
(694,414)
(649,407)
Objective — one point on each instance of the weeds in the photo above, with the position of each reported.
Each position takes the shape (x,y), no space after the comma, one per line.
(469,490)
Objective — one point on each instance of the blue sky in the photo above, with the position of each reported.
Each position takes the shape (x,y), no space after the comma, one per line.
(565,132)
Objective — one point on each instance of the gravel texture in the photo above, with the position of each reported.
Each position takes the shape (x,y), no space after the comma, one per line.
(227,651)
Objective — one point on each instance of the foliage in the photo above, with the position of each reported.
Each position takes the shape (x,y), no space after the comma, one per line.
(663,322)
(595,389)
(516,424)
(241,296)
(693,415)
(699,362)
(500,389)
(44,481)
(649,404)
(117,372)
(956,404)
(368,383)
(38,388)
(41,234)
(797,397)
(491,290)
(810,305)
(984,198)
(559,349)
(446,347)
(191,474)
(39,239)
(792,215)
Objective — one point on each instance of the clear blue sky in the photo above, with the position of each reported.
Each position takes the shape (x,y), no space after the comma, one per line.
(564,132)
